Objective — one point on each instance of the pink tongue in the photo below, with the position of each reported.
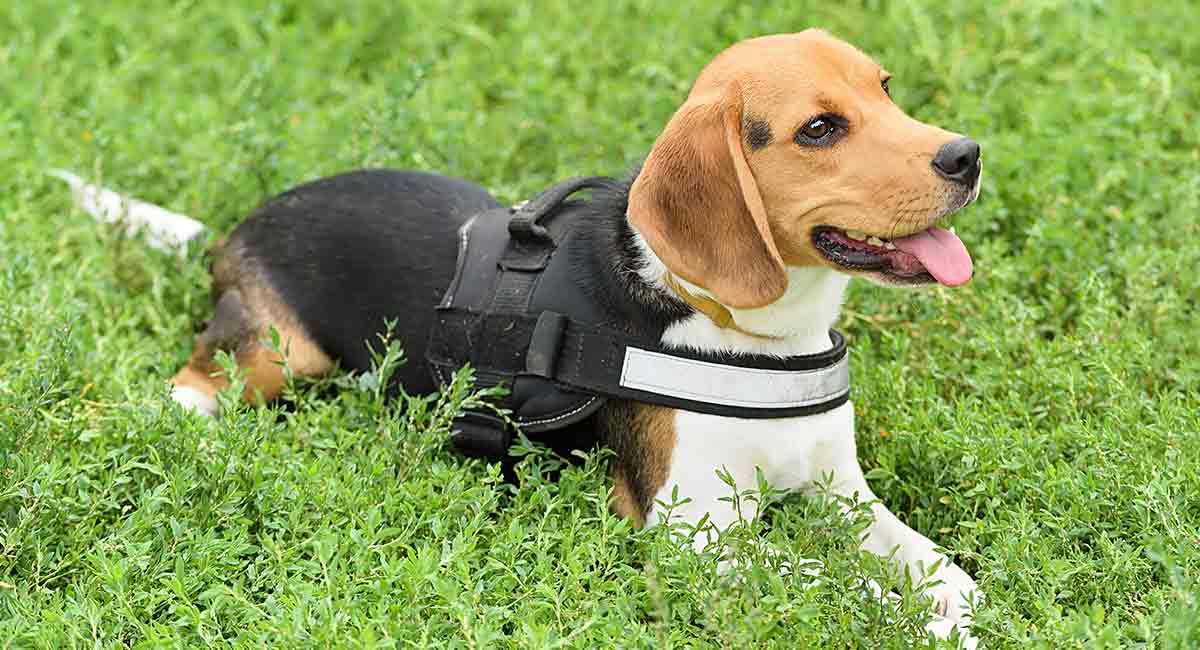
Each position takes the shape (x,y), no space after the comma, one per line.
(941,252)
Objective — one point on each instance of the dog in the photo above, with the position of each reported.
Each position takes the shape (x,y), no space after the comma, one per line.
(787,171)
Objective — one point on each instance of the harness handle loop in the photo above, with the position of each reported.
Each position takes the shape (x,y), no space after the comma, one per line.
(525,224)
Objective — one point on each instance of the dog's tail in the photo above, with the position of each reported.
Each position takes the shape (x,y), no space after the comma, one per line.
(164,230)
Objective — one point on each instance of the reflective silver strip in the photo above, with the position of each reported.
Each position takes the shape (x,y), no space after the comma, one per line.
(464,232)
(715,383)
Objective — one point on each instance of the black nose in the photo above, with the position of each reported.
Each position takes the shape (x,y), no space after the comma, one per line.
(958,160)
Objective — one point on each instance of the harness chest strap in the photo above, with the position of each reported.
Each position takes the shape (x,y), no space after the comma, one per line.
(612,364)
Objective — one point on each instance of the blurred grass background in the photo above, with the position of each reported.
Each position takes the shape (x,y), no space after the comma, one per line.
(1041,423)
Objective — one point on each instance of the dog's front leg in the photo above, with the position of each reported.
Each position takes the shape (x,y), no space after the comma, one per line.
(695,492)
(913,551)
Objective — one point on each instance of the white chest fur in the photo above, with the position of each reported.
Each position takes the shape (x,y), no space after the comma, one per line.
(792,453)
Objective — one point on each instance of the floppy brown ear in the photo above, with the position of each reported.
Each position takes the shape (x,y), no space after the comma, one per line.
(697,205)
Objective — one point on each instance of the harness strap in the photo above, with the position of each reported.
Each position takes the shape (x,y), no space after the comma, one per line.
(612,364)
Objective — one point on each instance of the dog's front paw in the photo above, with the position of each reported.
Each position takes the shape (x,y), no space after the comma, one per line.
(957,594)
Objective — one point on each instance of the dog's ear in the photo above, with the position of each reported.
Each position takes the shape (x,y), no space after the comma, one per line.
(698,206)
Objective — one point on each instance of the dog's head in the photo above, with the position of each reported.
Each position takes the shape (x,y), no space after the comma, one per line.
(790,152)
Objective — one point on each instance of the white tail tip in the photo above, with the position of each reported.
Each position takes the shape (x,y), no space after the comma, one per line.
(165,230)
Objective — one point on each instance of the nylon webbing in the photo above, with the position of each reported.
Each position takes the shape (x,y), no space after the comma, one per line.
(593,359)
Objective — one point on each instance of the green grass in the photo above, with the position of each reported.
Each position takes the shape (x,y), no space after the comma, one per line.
(1041,423)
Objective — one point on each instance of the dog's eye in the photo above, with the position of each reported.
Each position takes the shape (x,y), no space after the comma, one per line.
(820,130)
(884,83)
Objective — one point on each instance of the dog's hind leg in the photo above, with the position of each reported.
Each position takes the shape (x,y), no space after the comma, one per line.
(242,331)
(247,310)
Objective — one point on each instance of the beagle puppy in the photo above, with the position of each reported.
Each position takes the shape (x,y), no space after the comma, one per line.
(787,171)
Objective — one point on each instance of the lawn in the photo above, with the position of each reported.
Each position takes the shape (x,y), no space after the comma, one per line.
(1041,423)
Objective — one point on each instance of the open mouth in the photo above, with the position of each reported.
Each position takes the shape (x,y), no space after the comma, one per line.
(932,255)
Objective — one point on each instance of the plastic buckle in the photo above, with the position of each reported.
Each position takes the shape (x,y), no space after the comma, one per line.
(479,435)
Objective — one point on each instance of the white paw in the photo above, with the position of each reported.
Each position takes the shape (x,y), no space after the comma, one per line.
(193,400)
(954,597)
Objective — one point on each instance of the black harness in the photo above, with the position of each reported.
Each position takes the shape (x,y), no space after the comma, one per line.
(519,315)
